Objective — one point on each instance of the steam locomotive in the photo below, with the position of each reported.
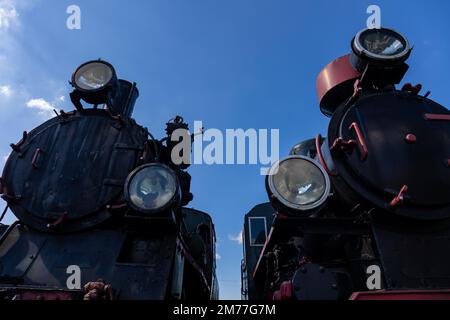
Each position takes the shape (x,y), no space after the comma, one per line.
(101,206)
(364,212)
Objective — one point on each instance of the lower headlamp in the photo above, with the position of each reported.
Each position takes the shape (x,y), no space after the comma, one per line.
(152,188)
(298,183)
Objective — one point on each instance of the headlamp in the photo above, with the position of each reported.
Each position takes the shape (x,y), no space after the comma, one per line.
(298,183)
(152,188)
(382,45)
(94,80)
(96,83)
(380,55)
(93,76)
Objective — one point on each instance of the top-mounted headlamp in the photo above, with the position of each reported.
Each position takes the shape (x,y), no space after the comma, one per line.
(382,45)
(380,55)
(377,59)
(96,82)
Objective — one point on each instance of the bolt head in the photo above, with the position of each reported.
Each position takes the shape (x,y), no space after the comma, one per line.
(411,138)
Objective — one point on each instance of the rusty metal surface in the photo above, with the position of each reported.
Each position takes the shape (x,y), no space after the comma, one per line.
(72,168)
(136,264)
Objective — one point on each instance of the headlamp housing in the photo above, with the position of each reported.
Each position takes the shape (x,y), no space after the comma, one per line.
(152,188)
(380,55)
(94,80)
(381,45)
(96,83)
(298,184)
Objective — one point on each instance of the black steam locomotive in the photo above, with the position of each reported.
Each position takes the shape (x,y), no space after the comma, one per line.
(363,213)
(101,206)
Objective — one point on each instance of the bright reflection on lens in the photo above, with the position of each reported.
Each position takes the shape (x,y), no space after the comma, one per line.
(152,188)
(93,76)
(299,183)
(383,42)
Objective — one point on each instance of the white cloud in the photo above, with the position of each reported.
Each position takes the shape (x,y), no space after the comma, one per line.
(6,91)
(218,257)
(62,98)
(44,108)
(236,238)
(8,14)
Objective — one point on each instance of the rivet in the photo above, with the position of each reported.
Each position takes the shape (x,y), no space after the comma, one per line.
(410,138)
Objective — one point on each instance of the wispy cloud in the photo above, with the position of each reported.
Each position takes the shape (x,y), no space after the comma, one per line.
(6,91)
(218,256)
(236,238)
(8,14)
(44,107)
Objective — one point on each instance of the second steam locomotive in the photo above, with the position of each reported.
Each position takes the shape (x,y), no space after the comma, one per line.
(364,212)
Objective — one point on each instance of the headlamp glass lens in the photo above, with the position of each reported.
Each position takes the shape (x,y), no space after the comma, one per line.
(383,42)
(93,76)
(299,182)
(152,188)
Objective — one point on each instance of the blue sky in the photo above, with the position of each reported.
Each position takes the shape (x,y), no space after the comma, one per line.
(230,63)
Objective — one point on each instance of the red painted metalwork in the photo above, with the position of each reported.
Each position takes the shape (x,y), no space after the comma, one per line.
(357,89)
(286,290)
(60,220)
(98,290)
(341,144)
(413,89)
(46,295)
(261,255)
(402,295)
(36,157)
(276,296)
(320,155)
(116,207)
(443,117)
(16,147)
(400,197)
(336,72)
(411,138)
(334,78)
(361,142)
(189,259)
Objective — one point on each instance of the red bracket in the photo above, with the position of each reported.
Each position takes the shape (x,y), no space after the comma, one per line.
(59,221)
(361,142)
(357,90)
(413,89)
(36,157)
(431,116)
(117,207)
(400,197)
(16,147)
(321,158)
(340,144)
